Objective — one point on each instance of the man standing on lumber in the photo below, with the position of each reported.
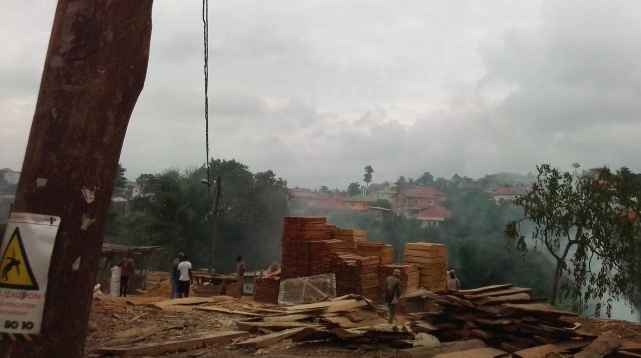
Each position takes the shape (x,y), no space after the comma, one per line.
(392,293)
(185,278)
(453,284)
(174,275)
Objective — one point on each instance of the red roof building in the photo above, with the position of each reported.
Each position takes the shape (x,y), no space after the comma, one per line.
(433,216)
(414,200)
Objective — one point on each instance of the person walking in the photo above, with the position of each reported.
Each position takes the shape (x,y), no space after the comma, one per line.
(126,271)
(185,278)
(173,279)
(453,283)
(392,293)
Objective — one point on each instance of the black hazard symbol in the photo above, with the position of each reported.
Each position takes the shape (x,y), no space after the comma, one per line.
(15,270)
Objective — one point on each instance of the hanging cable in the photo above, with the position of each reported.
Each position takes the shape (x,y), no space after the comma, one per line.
(206,71)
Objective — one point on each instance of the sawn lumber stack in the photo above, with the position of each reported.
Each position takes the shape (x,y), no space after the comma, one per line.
(502,315)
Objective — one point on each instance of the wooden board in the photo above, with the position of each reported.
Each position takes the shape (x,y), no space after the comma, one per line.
(516,298)
(178,345)
(541,351)
(542,308)
(272,326)
(475,353)
(227,311)
(505,292)
(479,290)
(268,340)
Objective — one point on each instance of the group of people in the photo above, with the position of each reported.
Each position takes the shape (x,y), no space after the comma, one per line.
(182,278)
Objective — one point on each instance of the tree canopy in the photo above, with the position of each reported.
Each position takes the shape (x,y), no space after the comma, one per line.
(367,178)
(589,224)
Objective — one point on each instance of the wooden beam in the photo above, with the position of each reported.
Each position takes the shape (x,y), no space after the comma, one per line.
(179,345)
(228,311)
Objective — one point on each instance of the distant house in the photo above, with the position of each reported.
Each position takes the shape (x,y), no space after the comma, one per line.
(359,202)
(377,213)
(385,194)
(434,216)
(412,201)
(506,192)
(330,206)
(302,199)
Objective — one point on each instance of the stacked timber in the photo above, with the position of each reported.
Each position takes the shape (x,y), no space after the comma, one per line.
(371,248)
(351,236)
(409,276)
(502,315)
(356,275)
(330,230)
(298,232)
(431,260)
(266,289)
(320,255)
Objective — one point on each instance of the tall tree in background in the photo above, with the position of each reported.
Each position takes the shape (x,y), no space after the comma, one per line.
(401,183)
(426,179)
(175,213)
(353,189)
(590,226)
(368,175)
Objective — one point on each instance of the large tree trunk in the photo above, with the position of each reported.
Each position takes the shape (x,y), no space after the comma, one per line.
(94,70)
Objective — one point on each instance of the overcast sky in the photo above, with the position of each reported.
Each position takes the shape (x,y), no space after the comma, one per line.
(316,90)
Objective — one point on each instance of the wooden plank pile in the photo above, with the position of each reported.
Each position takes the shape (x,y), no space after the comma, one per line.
(266,289)
(351,236)
(321,254)
(431,260)
(350,319)
(356,275)
(372,248)
(298,232)
(409,276)
(502,315)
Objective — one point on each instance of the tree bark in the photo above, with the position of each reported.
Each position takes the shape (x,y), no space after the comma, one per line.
(555,282)
(94,70)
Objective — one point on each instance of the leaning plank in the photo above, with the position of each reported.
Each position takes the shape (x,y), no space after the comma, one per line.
(428,352)
(184,344)
(268,340)
(542,351)
(601,347)
(228,311)
(475,353)
(312,334)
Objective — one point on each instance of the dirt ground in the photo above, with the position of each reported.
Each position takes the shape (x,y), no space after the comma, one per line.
(113,322)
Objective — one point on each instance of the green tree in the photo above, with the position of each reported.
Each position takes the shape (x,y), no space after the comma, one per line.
(587,225)
(143,181)
(382,203)
(426,179)
(120,177)
(368,175)
(353,189)
(401,183)
(324,189)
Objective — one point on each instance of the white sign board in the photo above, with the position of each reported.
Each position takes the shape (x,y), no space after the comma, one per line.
(26,254)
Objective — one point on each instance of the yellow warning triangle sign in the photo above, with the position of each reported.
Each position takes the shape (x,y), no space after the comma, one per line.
(15,271)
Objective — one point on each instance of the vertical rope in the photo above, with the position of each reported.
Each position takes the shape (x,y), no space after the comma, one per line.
(206,72)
